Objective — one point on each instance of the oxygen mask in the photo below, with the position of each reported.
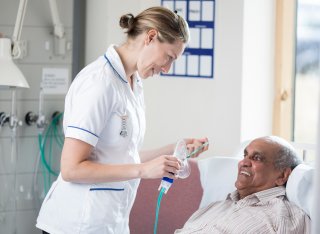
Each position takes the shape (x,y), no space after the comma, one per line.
(181,153)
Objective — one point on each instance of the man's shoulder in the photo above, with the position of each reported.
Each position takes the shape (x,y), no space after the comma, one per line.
(290,209)
(277,201)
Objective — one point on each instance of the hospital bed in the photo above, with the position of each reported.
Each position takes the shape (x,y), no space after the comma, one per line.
(211,180)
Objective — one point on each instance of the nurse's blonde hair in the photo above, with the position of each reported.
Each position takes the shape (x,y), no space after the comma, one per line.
(170,26)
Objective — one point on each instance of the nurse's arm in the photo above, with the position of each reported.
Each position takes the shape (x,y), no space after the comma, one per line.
(76,166)
(147,155)
(192,144)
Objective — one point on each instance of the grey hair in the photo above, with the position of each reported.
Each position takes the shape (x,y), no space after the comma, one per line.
(287,156)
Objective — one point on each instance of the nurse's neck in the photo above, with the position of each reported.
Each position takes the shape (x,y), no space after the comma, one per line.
(128,53)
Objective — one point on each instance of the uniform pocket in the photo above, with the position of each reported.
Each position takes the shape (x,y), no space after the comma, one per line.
(105,206)
(51,190)
(106,189)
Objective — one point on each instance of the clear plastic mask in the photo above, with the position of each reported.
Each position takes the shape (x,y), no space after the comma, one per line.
(181,152)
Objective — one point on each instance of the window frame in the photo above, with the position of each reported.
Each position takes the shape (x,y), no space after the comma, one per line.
(285,43)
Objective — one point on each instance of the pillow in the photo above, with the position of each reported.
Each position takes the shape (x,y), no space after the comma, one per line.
(217,175)
(299,187)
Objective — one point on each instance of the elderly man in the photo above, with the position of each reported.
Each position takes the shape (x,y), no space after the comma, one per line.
(259,205)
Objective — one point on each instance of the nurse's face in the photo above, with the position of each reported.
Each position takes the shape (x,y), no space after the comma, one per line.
(257,171)
(156,56)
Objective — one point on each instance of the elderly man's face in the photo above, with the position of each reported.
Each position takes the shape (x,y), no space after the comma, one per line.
(256,172)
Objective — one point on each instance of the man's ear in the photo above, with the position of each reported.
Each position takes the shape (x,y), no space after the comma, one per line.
(151,35)
(283,177)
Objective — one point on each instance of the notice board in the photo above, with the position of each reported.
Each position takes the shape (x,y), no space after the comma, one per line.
(198,58)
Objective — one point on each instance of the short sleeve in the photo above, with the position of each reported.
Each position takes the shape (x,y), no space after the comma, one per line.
(88,107)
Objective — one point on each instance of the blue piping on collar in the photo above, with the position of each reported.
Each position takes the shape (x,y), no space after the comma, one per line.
(119,76)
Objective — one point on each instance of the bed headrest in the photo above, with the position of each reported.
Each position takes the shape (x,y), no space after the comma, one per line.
(218,176)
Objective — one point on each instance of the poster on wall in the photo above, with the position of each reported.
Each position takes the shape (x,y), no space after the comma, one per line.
(198,58)
(55,80)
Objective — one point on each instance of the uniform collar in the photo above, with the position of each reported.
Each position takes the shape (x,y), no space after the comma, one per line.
(262,196)
(115,62)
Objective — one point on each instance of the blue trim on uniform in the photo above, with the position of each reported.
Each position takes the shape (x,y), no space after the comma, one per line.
(111,189)
(119,76)
(84,130)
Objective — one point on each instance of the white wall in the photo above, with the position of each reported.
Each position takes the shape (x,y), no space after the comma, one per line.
(223,109)
(102,25)
(258,68)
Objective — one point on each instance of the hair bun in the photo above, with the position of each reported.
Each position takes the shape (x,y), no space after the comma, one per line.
(126,21)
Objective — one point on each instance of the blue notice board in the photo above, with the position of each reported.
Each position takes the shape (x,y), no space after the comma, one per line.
(197,60)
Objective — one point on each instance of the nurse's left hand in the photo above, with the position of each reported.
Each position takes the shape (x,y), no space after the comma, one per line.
(162,166)
(197,146)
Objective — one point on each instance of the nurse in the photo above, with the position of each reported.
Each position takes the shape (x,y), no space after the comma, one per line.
(104,126)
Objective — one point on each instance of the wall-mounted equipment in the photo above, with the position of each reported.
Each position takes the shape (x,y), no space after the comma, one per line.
(40,119)
(10,74)
(10,49)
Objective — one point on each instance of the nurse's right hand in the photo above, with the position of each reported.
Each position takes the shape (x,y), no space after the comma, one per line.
(162,166)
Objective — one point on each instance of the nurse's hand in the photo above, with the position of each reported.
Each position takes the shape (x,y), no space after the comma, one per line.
(197,146)
(164,165)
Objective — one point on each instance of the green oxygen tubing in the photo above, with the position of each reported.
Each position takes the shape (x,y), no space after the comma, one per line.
(52,134)
(181,152)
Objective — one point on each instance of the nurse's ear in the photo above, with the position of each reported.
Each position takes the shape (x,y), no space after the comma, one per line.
(151,36)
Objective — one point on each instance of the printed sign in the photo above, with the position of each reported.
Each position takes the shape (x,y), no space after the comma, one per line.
(55,80)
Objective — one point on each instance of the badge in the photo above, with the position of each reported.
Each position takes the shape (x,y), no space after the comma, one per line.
(124,131)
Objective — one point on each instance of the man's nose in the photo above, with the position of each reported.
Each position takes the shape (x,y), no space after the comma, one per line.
(245,162)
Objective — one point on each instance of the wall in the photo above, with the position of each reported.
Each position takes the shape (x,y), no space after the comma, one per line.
(19,204)
(102,20)
(258,68)
(234,106)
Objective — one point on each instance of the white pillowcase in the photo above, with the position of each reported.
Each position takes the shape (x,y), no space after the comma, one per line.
(300,187)
(218,176)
